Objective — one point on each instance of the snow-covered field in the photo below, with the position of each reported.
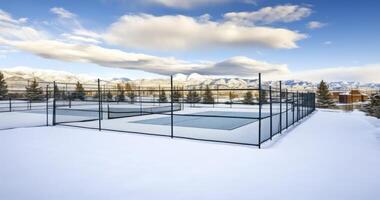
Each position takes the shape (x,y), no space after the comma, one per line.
(331,155)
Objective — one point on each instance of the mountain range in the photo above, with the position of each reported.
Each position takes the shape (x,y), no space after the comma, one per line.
(19,76)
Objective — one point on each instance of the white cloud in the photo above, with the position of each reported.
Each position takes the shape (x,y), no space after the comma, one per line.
(186,3)
(268,15)
(327,43)
(16,34)
(182,32)
(62,13)
(241,66)
(7,18)
(80,39)
(15,29)
(315,25)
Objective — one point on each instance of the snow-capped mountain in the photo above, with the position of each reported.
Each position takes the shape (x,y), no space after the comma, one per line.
(17,77)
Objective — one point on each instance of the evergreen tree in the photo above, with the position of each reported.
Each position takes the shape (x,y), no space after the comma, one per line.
(162,97)
(193,97)
(207,96)
(264,96)
(3,87)
(373,107)
(232,96)
(130,93)
(109,96)
(324,99)
(79,92)
(248,98)
(58,93)
(120,93)
(176,95)
(33,91)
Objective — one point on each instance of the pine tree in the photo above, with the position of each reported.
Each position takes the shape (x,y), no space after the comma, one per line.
(263,96)
(193,96)
(324,99)
(176,95)
(58,93)
(33,91)
(3,87)
(373,107)
(109,96)
(79,92)
(207,96)
(248,98)
(162,97)
(232,96)
(130,93)
(120,93)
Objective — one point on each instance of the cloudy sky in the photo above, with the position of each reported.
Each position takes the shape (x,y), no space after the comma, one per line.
(309,40)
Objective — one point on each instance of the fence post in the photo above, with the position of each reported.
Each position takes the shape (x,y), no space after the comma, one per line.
(270,112)
(286,106)
(47,105)
(10,104)
(292,108)
(260,109)
(171,107)
(100,106)
(141,110)
(280,107)
(298,106)
(54,104)
(303,104)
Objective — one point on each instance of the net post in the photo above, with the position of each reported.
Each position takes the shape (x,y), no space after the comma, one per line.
(270,112)
(286,106)
(171,107)
(54,104)
(260,110)
(280,107)
(100,106)
(47,105)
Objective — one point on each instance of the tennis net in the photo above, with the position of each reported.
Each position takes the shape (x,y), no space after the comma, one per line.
(118,112)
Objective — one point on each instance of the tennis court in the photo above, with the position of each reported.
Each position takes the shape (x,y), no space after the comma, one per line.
(247,116)
(209,120)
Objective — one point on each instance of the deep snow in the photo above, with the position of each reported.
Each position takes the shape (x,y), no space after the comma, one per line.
(332,155)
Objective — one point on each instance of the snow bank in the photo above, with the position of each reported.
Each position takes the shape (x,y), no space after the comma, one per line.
(332,155)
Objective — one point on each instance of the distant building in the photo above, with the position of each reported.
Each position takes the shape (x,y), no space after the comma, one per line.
(352,97)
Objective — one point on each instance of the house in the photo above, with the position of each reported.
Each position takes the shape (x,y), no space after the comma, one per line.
(352,97)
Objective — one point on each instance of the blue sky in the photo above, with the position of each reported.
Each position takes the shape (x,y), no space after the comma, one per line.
(343,43)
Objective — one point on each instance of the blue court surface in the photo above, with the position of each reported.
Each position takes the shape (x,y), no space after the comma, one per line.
(221,121)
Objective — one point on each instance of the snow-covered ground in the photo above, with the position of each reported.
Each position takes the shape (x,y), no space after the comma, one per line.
(332,155)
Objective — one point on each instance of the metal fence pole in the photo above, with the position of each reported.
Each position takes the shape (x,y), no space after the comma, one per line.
(140,99)
(100,106)
(270,112)
(293,108)
(171,107)
(47,105)
(280,107)
(286,106)
(260,93)
(298,106)
(54,104)
(303,105)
